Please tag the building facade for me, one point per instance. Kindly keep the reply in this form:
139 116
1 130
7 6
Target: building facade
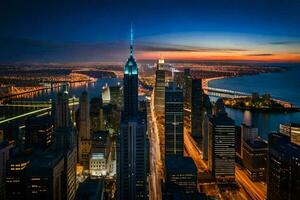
283 168
159 91
221 155
132 148
84 139
255 159
173 120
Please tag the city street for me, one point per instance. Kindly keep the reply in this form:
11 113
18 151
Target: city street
254 190
154 156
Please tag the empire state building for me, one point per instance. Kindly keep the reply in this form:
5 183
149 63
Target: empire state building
132 147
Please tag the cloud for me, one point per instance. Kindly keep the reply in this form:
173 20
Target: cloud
261 54
284 42
154 47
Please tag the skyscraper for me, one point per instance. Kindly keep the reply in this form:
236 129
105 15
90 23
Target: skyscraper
84 116
197 111
187 94
221 156
255 159
84 130
132 141
61 110
173 120
283 168
159 92
65 143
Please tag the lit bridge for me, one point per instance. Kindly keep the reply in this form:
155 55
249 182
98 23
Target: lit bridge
217 92
30 108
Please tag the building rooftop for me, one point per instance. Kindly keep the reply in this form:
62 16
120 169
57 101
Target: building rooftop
180 164
257 144
90 189
222 119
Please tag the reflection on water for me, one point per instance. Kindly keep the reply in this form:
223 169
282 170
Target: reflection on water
280 85
75 89
265 122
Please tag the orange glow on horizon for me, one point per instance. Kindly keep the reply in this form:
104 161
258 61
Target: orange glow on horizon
220 56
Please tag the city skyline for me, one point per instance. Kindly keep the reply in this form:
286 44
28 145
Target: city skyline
150 100
78 32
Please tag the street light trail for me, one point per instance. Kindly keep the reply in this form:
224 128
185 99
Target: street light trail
155 157
253 190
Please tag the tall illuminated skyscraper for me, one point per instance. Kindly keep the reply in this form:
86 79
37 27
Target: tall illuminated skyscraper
159 92
132 149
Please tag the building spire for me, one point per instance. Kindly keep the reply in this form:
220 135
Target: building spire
131 40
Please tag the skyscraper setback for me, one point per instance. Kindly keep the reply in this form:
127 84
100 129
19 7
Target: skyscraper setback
132 142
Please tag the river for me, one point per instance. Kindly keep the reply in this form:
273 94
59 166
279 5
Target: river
284 85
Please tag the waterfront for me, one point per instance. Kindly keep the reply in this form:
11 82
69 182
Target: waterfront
266 122
75 89
284 86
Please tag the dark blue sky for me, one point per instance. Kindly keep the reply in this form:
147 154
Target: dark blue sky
66 31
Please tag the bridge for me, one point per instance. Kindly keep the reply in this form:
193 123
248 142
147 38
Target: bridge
31 108
218 92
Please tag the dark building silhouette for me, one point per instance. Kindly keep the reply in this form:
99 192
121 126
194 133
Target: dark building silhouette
5 151
255 159
39 132
197 110
181 175
283 181
221 146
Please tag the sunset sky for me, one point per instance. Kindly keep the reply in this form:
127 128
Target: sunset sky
92 31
